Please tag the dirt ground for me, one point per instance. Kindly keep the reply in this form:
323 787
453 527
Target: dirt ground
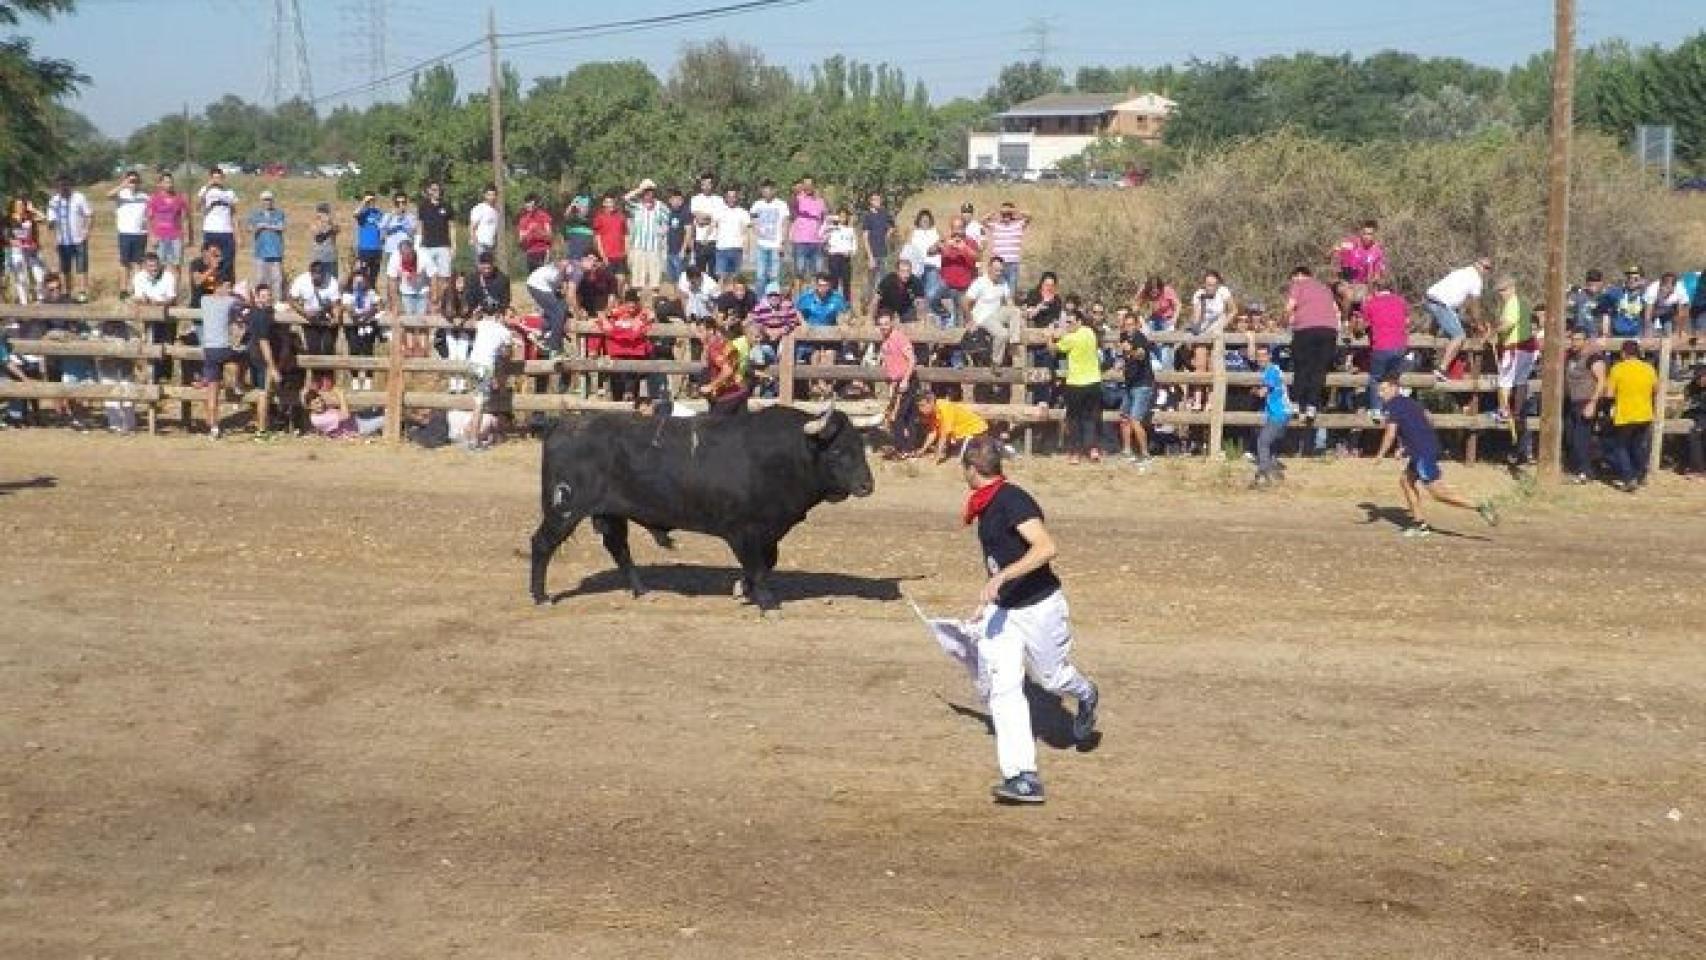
290 700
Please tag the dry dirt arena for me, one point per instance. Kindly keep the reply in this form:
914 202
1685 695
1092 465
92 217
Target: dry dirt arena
290 700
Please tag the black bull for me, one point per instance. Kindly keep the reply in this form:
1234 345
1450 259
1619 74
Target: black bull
747 479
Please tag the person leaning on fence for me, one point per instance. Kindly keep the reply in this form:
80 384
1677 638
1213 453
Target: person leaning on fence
1584 384
900 291
1517 348
217 349
317 298
273 346
900 366
456 308
492 342
1075 342
1387 318
989 305
1313 315
361 308
1452 303
545 285
626 328
1633 387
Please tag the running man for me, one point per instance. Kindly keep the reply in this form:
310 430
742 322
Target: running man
1024 625
1408 423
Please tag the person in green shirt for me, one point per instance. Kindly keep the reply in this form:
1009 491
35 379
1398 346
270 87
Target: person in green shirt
1076 342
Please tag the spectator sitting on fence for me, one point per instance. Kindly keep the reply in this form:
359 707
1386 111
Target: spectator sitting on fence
725 388
491 345
1211 305
947 426
317 299
456 308
361 324
626 328
899 291
545 284
736 299
1387 317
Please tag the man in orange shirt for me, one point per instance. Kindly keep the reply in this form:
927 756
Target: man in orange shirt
948 425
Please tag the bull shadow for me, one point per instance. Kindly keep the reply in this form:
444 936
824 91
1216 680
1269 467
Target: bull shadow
1051 722
789 586
8 487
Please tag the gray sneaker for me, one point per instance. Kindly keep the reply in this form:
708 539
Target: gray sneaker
1023 788
1488 513
1084 722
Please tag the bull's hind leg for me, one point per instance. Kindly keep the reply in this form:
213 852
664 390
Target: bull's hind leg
614 530
553 530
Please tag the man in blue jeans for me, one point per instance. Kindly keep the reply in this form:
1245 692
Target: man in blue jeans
1276 413
1451 302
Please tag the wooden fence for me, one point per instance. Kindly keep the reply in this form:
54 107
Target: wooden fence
403 382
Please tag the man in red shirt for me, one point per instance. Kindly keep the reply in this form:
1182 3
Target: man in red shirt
610 236
959 269
534 226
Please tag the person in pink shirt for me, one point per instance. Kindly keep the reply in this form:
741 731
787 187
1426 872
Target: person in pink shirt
1388 318
1360 260
167 209
900 362
806 234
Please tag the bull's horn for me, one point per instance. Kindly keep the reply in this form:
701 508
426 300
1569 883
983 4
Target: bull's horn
815 425
867 422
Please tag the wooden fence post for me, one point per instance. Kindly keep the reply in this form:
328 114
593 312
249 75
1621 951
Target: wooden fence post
785 369
1654 455
1217 396
394 383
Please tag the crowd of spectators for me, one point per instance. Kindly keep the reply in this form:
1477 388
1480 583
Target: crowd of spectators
750 270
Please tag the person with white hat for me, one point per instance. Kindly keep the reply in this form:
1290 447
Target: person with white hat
267 225
648 235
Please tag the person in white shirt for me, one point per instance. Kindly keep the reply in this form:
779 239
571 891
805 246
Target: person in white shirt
840 243
989 303
131 217
733 223
70 216
698 293
219 214
706 206
492 340
484 222
153 286
315 296
1451 302
1211 306
770 230
1667 302
545 286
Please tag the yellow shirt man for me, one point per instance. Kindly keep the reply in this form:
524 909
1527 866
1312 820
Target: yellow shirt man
1083 366
955 422
1631 384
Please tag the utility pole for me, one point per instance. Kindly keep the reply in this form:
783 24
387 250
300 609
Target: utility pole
189 181
495 94
1557 239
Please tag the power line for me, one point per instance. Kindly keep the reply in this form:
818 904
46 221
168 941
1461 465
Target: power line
659 20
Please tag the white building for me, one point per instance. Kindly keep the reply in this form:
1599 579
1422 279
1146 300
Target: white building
1038 134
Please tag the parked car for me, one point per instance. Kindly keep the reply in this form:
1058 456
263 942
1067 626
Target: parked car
1692 185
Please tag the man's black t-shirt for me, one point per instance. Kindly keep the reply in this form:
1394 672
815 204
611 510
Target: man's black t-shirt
1139 364
737 305
899 297
680 218
487 295
435 223
998 533
595 289
264 328
877 226
1048 312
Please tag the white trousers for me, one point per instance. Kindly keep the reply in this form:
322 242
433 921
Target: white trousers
1037 640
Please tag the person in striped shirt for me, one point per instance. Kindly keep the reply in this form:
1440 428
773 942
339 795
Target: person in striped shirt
1006 239
648 231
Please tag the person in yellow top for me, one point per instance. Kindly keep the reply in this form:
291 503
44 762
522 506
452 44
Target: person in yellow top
1077 343
948 425
1518 348
1632 385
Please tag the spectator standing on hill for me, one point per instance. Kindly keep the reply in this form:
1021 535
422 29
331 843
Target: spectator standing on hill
1584 384
1407 423
810 211
1388 320
1633 387
899 292
396 228
1453 300
578 237
1006 235
1626 306
876 225
370 238
976 232
1076 343
706 206
734 222
770 216
1137 369
959 270
1276 413
70 216
610 238
648 237
485 222
1313 314
266 224
989 306
168 213
323 239
436 242
679 240
130 215
1024 626
534 231
1211 305
23 249
841 245
219 217
1518 346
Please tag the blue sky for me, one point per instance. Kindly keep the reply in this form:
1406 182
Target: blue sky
954 46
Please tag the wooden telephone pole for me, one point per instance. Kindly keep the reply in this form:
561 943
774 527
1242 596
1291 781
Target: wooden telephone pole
495 95
1557 240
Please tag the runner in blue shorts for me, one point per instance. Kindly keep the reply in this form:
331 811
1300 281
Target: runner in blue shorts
1407 423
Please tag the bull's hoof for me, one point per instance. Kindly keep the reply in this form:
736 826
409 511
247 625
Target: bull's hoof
740 589
770 614
541 600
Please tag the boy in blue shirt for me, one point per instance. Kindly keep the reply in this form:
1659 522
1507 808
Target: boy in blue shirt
1408 423
1276 413
369 242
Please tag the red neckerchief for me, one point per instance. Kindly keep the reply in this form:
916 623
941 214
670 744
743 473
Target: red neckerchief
979 499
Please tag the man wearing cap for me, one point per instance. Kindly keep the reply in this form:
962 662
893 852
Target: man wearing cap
975 230
267 226
648 236
396 229
775 317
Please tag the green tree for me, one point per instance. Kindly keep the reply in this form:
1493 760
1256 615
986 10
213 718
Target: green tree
31 143
1018 82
